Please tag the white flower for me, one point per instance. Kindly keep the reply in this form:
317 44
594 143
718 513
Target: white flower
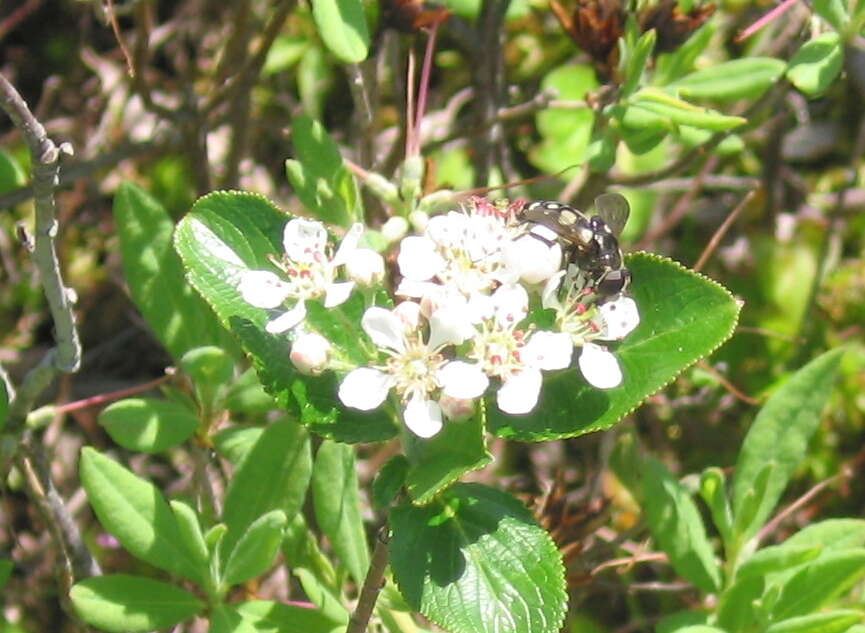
310 273
580 317
461 250
415 369
310 353
503 351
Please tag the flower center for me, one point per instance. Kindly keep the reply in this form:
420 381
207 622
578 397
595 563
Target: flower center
498 349
415 370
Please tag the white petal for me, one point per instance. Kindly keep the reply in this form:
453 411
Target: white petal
519 393
620 317
423 417
337 293
384 328
550 296
409 313
534 260
364 388
287 320
600 368
548 350
418 259
511 304
450 325
463 380
348 245
418 289
304 240
263 289
365 266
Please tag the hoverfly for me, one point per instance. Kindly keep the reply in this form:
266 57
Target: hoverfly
589 242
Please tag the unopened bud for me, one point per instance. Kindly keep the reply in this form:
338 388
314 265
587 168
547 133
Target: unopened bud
457 409
310 353
365 267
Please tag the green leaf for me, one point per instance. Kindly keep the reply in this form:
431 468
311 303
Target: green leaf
817 64
636 64
179 318
830 622
776 558
129 604
713 489
224 234
12 175
780 435
475 561
247 395
671 66
700 628
831 535
262 616
676 525
833 11
565 133
389 481
6 567
191 536
148 425
274 475
736 606
684 317
337 506
254 553
744 78
679 112
319 176
234 442
818 582
208 365
342 26
134 511
437 462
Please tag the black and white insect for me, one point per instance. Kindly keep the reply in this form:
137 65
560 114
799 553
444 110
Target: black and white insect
590 242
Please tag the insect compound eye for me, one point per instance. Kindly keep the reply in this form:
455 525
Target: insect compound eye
614 282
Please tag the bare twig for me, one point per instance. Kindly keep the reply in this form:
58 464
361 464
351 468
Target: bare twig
85 168
372 585
722 231
46 167
17 16
729 386
682 208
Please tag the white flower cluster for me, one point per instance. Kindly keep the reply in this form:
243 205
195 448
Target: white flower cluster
467 284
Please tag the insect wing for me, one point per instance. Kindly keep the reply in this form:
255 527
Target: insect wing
613 209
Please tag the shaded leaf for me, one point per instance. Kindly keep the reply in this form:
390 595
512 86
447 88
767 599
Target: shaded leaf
337 506
179 318
677 527
274 475
254 553
437 462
